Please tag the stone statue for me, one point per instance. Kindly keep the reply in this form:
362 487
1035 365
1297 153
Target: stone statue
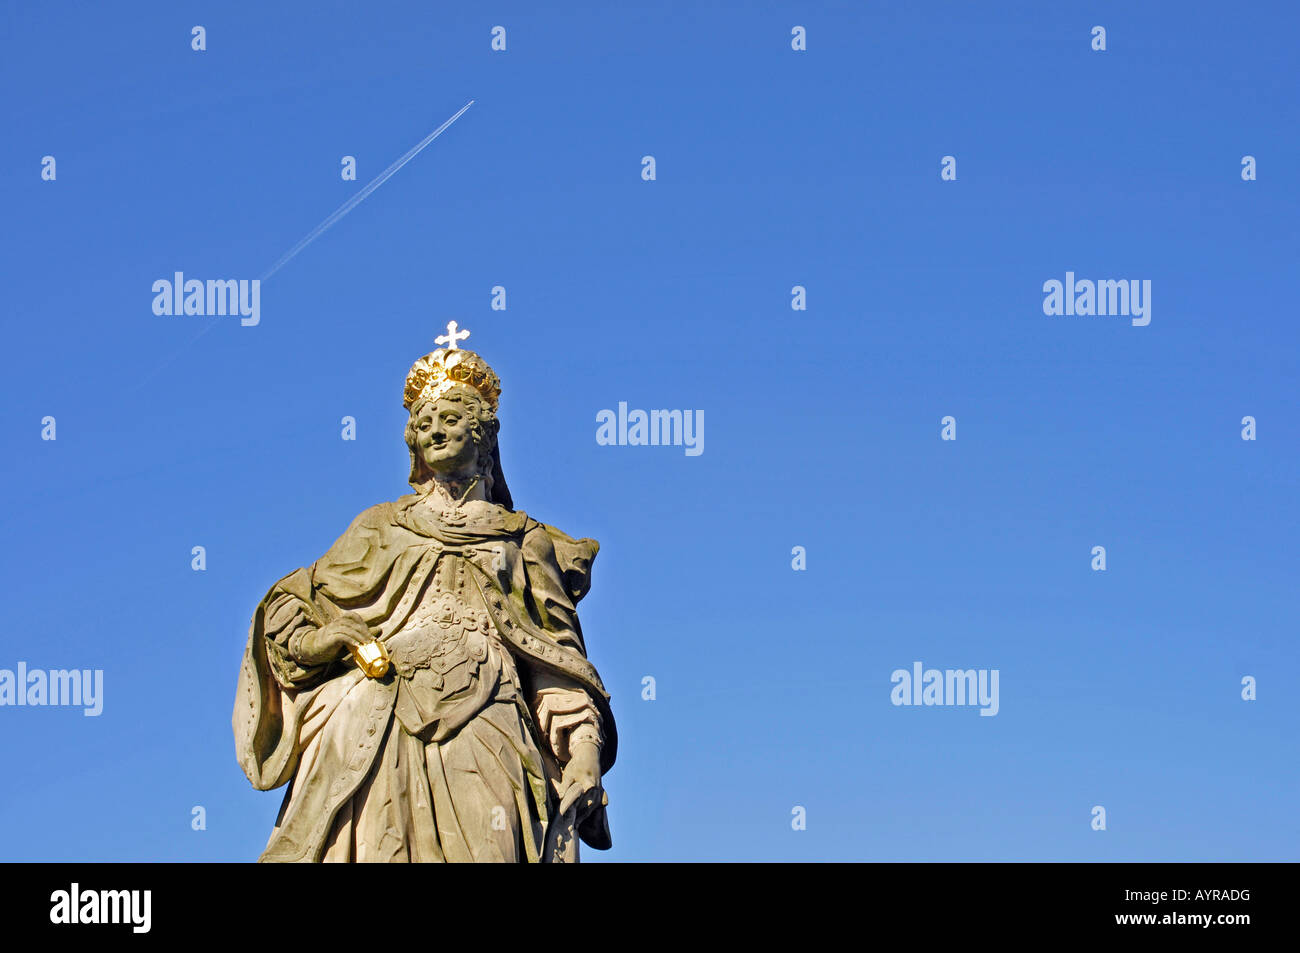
423 687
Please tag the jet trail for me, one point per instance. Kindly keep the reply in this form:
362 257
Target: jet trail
357 199
315 233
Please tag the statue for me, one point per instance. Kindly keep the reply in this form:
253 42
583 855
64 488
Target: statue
423 687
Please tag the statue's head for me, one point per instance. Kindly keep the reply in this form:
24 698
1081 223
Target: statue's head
451 433
452 437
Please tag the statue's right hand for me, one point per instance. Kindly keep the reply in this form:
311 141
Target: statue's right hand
333 639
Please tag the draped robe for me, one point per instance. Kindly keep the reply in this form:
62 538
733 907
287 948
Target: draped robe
455 754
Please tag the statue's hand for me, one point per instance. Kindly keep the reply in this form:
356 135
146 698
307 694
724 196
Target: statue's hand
580 783
333 639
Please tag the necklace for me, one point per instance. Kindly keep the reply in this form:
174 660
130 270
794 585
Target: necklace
452 513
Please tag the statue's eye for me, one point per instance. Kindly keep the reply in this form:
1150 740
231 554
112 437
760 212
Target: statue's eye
449 418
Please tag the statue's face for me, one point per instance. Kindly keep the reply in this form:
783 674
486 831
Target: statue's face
444 438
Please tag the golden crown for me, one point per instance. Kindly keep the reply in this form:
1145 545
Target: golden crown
434 374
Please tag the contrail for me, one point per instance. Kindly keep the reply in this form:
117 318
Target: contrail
357 199
316 232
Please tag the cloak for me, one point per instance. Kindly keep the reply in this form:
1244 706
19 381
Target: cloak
528 576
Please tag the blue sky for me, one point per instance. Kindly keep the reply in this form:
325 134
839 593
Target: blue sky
775 168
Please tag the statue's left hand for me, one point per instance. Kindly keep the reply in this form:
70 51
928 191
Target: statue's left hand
580 783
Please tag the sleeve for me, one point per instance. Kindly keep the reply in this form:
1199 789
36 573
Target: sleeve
564 710
286 622
565 714
268 712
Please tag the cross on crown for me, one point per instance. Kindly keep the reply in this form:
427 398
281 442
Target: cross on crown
451 337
